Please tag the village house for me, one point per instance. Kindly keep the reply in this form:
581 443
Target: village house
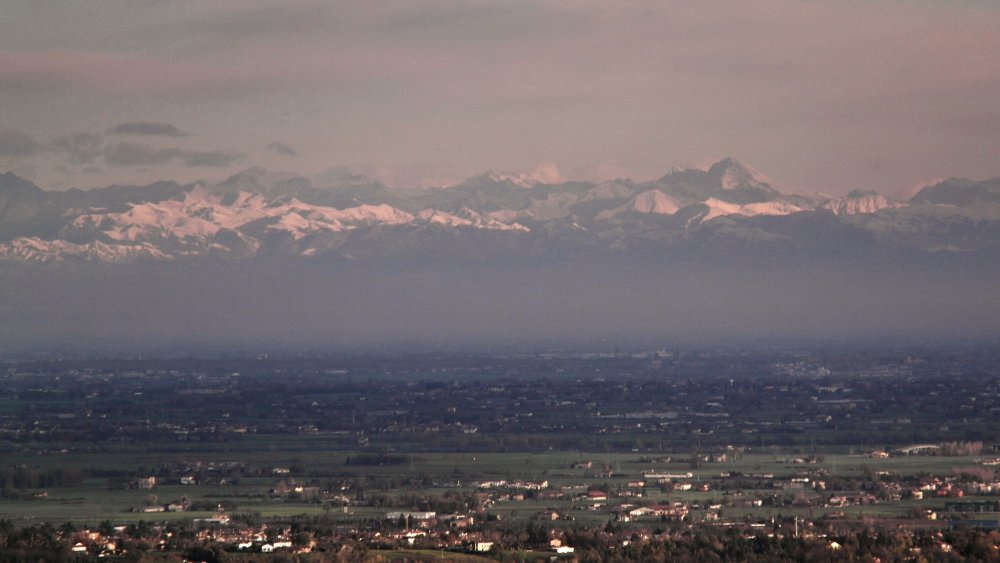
420 519
458 521
674 511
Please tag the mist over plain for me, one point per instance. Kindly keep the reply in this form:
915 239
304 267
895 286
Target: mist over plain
280 304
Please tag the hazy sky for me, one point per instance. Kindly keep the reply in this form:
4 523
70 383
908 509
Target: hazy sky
822 95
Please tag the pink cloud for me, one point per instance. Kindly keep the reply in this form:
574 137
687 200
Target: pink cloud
547 172
132 74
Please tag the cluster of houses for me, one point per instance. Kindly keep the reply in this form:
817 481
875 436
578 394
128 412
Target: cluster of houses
522 485
259 538
671 511
621 499
241 537
92 542
624 499
447 531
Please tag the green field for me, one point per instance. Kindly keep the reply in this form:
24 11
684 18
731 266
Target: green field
425 474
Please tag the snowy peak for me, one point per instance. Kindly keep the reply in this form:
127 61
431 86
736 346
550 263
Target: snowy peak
522 180
258 180
650 202
261 213
612 189
33 249
543 173
198 222
859 202
198 215
654 201
719 208
730 174
469 218
727 180
434 217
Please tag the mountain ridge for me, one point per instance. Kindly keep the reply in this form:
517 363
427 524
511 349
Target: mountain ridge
260 212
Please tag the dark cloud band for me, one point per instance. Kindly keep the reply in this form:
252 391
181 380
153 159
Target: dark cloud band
277 147
146 128
126 154
17 143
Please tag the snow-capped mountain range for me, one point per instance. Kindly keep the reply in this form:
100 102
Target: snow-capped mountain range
257 212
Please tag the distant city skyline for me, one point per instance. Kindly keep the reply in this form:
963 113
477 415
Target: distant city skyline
826 96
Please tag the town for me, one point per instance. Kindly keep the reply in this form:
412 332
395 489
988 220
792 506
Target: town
644 455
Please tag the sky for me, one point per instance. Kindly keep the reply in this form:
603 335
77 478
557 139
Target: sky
824 96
